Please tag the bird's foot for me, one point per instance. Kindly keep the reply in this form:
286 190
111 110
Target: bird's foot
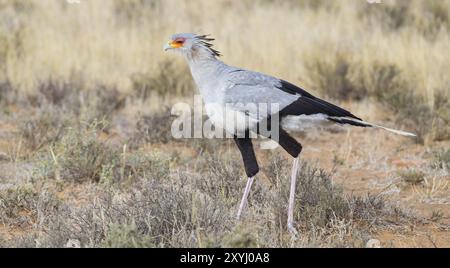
238 215
292 230
244 197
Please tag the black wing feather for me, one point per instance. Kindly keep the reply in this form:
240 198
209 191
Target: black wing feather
308 104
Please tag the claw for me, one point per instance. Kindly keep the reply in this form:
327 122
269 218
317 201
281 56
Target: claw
292 230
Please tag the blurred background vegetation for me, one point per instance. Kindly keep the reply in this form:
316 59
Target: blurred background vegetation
394 52
85 97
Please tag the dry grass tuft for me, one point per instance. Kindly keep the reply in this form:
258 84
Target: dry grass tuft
158 208
58 90
170 79
441 159
78 155
412 177
152 128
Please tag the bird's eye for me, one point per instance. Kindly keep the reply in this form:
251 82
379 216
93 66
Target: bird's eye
179 41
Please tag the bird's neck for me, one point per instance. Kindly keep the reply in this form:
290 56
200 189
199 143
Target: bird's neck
200 53
204 67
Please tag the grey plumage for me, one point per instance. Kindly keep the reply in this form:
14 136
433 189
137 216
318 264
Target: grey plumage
222 85
234 93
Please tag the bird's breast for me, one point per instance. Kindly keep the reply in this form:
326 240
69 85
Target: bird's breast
232 121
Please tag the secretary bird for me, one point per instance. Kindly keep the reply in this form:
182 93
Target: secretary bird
226 89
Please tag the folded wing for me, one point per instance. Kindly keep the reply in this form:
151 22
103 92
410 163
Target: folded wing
248 88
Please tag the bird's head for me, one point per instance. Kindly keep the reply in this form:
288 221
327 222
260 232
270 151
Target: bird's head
192 44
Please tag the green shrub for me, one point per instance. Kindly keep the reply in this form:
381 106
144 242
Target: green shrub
392 15
331 77
412 177
126 236
73 97
441 159
134 11
415 112
78 156
43 128
170 79
152 128
25 207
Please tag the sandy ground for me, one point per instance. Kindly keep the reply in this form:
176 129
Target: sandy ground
365 161
370 161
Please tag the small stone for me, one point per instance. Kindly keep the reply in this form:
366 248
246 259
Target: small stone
373 243
4 156
73 243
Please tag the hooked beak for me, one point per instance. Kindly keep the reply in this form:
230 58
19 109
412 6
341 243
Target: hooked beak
172 45
168 46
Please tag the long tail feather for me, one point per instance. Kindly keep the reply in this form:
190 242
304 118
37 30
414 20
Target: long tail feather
367 124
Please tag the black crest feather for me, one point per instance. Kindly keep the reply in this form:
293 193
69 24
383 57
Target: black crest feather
205 41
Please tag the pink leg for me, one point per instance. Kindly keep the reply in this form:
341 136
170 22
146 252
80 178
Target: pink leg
244 197
290 221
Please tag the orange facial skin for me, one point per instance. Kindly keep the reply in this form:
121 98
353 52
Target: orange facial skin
177 43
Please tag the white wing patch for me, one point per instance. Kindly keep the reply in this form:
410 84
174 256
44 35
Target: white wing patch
304 122
231 120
